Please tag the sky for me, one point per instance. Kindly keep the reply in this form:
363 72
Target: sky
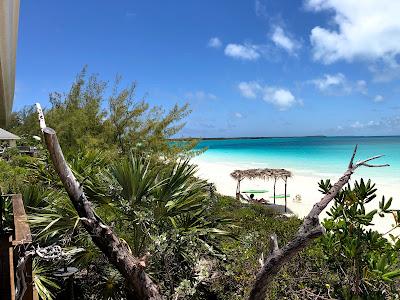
246 67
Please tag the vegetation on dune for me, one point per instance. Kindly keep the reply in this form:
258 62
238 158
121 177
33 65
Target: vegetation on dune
185 228
193 243
156 208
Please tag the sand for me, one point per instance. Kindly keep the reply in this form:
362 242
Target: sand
303 184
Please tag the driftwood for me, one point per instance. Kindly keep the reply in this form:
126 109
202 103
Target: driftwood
131 268
309 230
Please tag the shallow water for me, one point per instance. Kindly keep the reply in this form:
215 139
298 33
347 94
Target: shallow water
322 156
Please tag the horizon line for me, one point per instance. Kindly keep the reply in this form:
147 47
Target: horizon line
275 137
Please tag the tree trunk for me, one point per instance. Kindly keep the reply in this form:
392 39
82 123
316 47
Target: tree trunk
131 268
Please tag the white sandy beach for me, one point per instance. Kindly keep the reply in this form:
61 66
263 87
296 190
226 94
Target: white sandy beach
304 185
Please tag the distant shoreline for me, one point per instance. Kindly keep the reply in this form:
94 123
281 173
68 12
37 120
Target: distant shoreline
246 138
277 137
260 137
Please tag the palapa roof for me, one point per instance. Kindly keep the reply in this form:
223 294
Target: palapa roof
261 174
5 135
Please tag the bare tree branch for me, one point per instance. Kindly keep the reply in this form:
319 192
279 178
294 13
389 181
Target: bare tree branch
309 230
273 243
352 157
131 268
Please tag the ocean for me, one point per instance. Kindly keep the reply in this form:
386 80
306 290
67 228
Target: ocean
317 156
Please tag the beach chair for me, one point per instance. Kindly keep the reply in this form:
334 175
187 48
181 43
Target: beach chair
247 199
281 196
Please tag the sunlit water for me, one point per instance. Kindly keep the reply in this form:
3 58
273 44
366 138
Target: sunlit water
308 155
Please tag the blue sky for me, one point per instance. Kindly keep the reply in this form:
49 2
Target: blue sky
246 67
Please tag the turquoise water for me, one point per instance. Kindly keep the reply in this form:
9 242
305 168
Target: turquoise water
314 155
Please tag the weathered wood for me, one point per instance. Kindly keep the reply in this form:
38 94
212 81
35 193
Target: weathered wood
21 272
309 230
22 237
11 262
274 189
22 232
103 236
6 270
286 195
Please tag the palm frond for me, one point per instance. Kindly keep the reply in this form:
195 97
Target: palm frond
45 283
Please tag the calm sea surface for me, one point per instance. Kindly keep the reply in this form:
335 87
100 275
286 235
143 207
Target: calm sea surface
314 155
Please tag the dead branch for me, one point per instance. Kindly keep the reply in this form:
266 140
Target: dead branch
132 268
309 230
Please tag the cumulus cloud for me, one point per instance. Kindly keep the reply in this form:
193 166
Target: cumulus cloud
282 40
238 115
388 125
214 42
328 81
386 69
281 98
249 89
357 124
361 87
338 84
378 98
244 52
365 29
369 124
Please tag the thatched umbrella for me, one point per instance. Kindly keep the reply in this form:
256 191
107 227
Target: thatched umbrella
264 174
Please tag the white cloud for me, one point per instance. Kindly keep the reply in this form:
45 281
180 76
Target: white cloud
378 98
249 89
361 87
367 29
388 125
245 52
214 42
369 124
260 8
338 84
385 69
238 115
357 125
328 81
279 97
282 98
200 95
281 39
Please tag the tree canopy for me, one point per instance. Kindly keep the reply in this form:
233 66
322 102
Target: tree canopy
96 115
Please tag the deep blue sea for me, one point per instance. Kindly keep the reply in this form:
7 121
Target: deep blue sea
315 155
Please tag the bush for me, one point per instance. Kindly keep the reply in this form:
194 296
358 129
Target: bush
255 224
366 261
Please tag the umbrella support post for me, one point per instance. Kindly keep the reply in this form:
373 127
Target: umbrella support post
285 196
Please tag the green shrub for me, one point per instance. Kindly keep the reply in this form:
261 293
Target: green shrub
368 264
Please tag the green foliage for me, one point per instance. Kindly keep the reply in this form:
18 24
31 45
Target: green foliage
202 245
90 117
366 261
164 209
46 284
14 172
6 221
254 225
153 206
